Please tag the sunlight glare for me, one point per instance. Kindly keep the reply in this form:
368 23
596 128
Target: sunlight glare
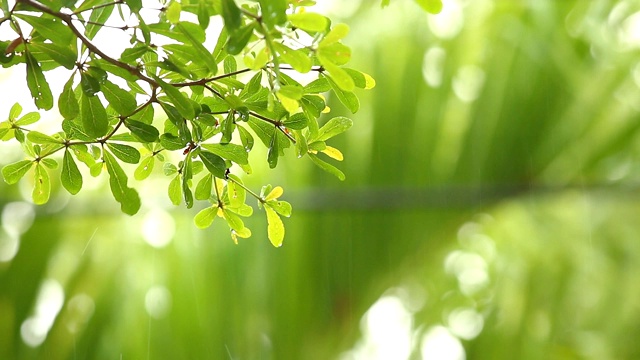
34 330
439 344
158 228
157 301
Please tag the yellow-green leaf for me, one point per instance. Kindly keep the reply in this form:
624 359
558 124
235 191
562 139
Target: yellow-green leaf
175 193
275 193
204 218
309 21
275 227
42 186
144 169
337 33
173 12
432 6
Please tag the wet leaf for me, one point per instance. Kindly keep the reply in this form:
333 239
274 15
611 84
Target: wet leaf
38 86
144 169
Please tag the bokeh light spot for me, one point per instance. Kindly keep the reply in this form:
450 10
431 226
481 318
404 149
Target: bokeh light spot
158 228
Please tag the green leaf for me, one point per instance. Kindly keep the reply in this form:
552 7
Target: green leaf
203 189
37 83
173 12
125 153
96 169
297 121
169 169
134 53
42 186
281 207
333 127
309 21
134 5
245 138
272 154
327 167
40 138
336 53
15 111
144 169
171 142
28 119
263 130
175 193
204 55
142 131
187 175
238 39
233 152
360 79
179 100
291 91
12 173
337 33
347 98
234 221
68 103
231 15
298 59
301 143
317 86
50 163
432 6
90 85
203 15
60 54
94 117
71 178
339 76
275 227
98 16
127 197
274 12
214 163
52 29
237 194
120 100
204 218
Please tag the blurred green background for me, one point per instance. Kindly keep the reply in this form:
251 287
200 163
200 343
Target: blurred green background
490 212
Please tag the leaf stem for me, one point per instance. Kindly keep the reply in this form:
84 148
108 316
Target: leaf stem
206 80
247 190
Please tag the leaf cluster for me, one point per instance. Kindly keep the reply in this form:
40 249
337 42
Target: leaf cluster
167 93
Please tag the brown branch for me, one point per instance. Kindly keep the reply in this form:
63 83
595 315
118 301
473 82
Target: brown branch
68 19
202 82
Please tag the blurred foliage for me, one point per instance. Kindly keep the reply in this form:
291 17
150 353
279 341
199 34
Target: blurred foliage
488 213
